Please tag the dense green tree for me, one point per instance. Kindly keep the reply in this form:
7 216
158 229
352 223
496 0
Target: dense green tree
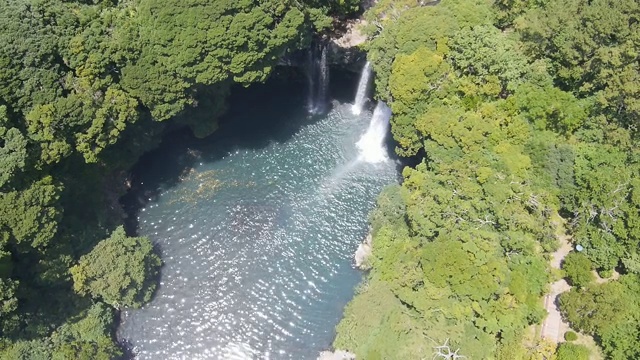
242 44
29 70
413 81
598 307
27 350
537 115
553 162
578 269
487 55
13 149
119 270
550 108
610 312
401 27
77 78
86 338
606 214
8 305
593 47
510 10
462 256
30 217
516 122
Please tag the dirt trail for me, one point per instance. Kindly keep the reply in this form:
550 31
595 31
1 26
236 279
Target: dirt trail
553 327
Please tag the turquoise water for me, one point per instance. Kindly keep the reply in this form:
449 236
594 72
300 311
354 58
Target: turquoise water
257 227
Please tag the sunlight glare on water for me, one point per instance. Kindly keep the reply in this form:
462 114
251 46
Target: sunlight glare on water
258 247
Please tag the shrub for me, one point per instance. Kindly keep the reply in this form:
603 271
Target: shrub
605 273
570 336
577 268
567 351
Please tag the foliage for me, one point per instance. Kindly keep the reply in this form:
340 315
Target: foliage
8 305
13 149
512 112
401 27
407 83
27 350
86 338
457 249
488 55
188 49
84 87
119 270
335 7
508 125
30 217
593 48
570 336
548 107
607 214
578 269
568 351
610 312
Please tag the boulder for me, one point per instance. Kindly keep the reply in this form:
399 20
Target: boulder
363 253
336 355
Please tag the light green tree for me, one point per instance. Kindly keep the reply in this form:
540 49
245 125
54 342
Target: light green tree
120 270
568 351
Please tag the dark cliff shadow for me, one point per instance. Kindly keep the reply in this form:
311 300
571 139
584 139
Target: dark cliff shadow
257 116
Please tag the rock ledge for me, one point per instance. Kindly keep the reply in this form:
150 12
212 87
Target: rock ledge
336 355
363 253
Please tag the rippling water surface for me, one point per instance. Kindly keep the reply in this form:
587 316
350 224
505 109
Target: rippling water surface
257 239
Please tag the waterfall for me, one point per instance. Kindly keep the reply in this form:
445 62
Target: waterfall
371 143
323 84
310 70
317 80
363 85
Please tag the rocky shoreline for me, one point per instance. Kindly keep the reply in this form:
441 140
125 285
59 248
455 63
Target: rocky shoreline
336 355
363 253
361 258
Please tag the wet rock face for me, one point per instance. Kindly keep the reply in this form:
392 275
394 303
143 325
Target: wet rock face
343 45
350 35
347 58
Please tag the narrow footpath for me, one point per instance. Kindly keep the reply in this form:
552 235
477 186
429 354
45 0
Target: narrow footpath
553 327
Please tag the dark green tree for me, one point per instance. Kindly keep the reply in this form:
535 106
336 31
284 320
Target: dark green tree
593 47
87 337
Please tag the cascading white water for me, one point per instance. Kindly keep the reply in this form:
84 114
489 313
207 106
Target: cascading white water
310 70
317 69
371 143
361 94
321 101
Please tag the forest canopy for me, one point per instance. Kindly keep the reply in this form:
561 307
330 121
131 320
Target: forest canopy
523 117
85 89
